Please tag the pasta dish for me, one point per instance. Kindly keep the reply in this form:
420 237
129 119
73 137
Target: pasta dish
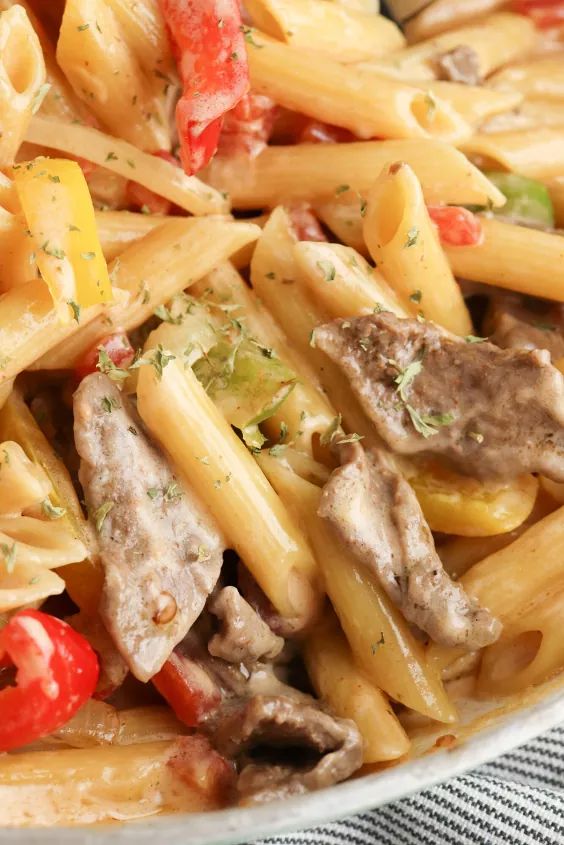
281 392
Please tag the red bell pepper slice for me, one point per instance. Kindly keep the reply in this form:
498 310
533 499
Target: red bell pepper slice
57 672
305 224
457 226
116 346
207 38
247 127
316 132
188 688
543 13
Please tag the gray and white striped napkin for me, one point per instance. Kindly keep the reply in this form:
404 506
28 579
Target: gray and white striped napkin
517 799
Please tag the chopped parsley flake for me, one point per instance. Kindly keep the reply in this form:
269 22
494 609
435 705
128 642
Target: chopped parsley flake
248 36
83 27
416 296
375 646
472 338
88 256
153 492
334 426
51 511
350 438
40 95
75 309
107 366
172 491
110 403
164 314
428 424
412 236
56 253
111 156
55 179
9 553
271 275
133 430
342 189
101 513
405 378
328 270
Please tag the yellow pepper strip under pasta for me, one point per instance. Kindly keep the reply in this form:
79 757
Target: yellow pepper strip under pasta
83 580
123 158
85 786
378 635
22 75
508 581
59 214
340 279
339 33
513 257
305 412
405 247
344 96
319 171
204 448
149 272
350 695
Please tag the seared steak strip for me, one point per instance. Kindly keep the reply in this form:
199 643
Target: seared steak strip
161 551
276 723
376 514
517 322
244 637
494 413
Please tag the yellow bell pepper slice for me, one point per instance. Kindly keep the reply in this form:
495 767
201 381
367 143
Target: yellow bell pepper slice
58 210
456 504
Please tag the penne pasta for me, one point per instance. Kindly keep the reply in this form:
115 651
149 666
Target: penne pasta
512 257
317 172
539 78
405 246
441 15
149 273
335 31
123 158
537 153
474 103
346 97
367 6
379 637
22 77
530 114
556 191
119 229
342 216
349 694
180 415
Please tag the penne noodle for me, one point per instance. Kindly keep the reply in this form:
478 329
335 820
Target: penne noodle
537 153
305 412
318 171
496 40
342 282
442 15
204 448
378 635
405 246
350 695
530 114
342 216
169 259
513 257
541 78
474 102
346 97
93 785
22 77
556 191
119 229
123 158
367 6
340 33
144 30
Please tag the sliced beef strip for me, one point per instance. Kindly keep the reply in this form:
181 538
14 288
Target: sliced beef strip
518 322
493 413
274 723
376 514
462 64
161 551
244 637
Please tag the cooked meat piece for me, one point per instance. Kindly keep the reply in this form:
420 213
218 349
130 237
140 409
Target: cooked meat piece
515 322
161 551
276 723
376 514
494 413
244 637
459 65
113 668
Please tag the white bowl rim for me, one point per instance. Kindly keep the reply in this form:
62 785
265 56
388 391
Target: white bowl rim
225 827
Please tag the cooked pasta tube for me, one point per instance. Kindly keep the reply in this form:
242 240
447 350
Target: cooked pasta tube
497 40
342 216
85 786
128 161
22 483
98 723
527 568
378 635
318 171
342 281
144 29
537 153
405 247
92 51
513 257
27 583
17 254
22 75
442 15
344 96
83 580
538 78
150 272
474 102
305 413
530 114
556 191
180 415
119 229
350 695
37 541
368 6
529 651
335 31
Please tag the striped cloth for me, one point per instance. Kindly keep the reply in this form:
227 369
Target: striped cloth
517 799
